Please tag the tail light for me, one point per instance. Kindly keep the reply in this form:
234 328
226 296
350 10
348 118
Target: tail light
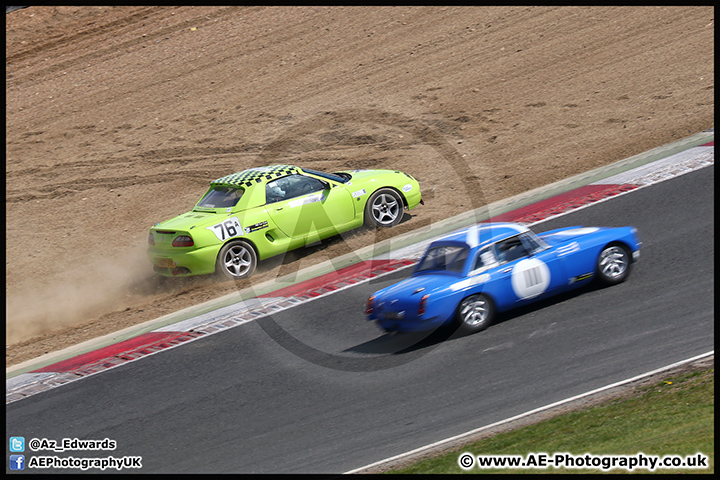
369 306
423 303
183 241
151 239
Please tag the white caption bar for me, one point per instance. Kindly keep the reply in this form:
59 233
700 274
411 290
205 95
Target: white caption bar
586 461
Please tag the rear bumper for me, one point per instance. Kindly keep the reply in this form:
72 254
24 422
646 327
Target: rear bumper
412 325
199 261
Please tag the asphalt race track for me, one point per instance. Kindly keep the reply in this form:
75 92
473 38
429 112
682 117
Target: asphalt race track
317 389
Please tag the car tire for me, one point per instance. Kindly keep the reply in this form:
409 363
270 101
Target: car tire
384 208
613 264
475 313
236 260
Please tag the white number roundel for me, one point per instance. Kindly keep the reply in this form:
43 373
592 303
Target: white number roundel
530 278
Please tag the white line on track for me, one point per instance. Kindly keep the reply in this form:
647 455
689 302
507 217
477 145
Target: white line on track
472 433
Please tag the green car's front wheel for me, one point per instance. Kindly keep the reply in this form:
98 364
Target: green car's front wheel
236 260
384 208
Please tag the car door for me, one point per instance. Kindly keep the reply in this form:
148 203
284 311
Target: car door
527 271
295 205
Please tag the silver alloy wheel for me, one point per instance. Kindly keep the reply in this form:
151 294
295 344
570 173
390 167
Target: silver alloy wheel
613 262
238 260
475 312
385 209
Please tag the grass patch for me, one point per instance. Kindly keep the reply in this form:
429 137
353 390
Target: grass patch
673 416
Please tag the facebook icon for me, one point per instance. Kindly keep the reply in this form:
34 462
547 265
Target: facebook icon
17 462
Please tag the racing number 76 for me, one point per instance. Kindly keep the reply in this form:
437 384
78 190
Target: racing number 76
230 227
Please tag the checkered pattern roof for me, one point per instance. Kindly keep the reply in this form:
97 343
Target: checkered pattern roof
256 175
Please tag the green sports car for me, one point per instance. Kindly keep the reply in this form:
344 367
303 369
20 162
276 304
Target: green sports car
265 211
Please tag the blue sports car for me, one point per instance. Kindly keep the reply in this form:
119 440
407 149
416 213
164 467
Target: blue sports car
469 276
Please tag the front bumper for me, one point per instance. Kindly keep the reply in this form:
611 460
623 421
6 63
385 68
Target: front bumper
413 197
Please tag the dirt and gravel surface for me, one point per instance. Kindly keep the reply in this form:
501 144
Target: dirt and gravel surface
118 117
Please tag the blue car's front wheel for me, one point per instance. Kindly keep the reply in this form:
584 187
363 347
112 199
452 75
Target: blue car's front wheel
475 313
613 264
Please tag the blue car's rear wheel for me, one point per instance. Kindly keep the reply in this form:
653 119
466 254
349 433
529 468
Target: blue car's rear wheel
236 260
613 264
475 313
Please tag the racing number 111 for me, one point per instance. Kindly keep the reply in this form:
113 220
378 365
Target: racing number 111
532 277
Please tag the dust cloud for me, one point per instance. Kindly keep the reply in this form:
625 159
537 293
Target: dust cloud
98 286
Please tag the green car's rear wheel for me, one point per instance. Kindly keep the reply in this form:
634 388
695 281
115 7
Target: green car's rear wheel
236 260
384 208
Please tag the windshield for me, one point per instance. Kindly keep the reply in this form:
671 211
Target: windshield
335 177
221 197
445 258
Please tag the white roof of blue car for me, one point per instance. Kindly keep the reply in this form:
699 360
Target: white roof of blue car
484 233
